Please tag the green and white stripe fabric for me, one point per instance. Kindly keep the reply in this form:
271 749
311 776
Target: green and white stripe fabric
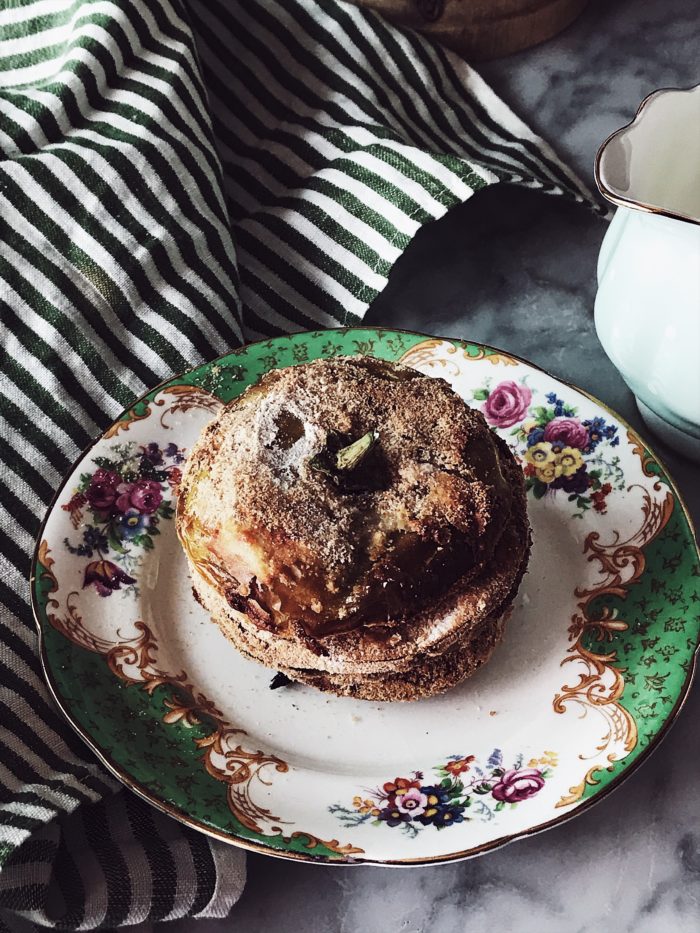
176 178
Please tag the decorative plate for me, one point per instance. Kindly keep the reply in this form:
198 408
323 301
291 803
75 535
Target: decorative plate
597 659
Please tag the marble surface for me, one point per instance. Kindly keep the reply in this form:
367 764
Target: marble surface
518 271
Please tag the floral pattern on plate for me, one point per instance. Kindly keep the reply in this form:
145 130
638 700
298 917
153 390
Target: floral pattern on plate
126 498
559 450
462 791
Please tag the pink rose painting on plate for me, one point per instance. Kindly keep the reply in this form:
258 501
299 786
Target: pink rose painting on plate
126 498
507 404
515 786
143 496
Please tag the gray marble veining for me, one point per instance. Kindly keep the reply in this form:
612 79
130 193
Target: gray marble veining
518 270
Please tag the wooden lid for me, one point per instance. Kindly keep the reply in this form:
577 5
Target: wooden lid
481 29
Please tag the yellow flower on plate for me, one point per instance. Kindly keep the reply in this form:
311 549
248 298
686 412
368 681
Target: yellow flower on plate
548 759
365 806
548 472
529 425
570 460
540 454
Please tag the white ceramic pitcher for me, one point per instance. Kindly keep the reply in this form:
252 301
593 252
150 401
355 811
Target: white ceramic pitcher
647 310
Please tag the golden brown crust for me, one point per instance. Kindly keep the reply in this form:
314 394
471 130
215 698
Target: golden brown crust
334 552
390 584
438 649
429 676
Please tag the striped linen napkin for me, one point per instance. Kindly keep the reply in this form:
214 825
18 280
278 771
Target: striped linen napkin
177 177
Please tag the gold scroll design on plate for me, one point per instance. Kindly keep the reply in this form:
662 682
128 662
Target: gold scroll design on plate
601 684
133 661
437 354
173 400
646 458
